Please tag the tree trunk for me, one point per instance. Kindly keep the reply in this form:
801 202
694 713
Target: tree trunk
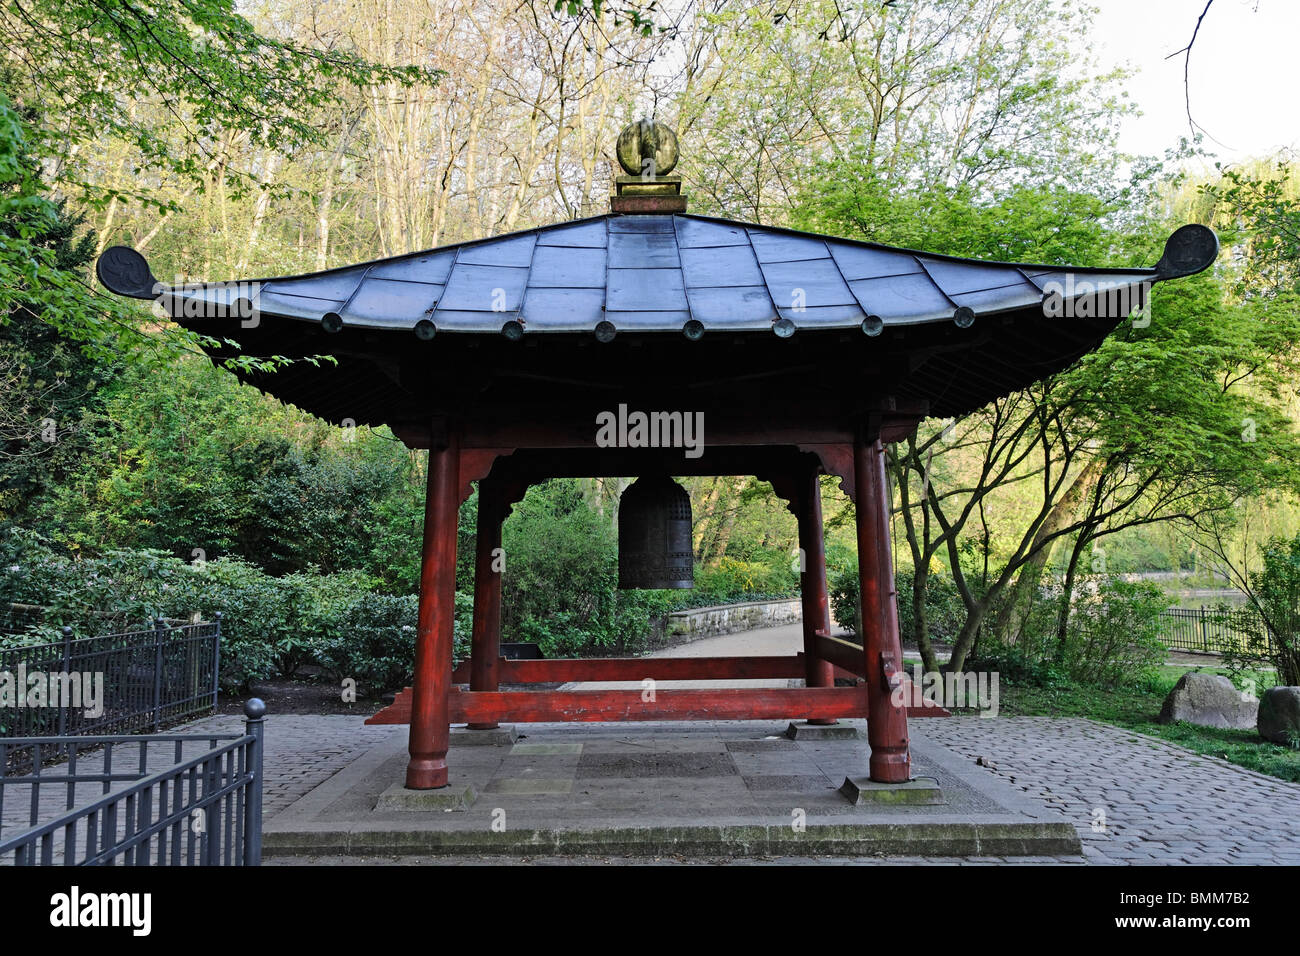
1009 620
1067 595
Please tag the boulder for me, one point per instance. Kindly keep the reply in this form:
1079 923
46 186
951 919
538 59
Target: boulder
1208 700
1279 714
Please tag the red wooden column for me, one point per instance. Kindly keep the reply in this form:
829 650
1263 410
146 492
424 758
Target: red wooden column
812 585
485 642
886 721
430 726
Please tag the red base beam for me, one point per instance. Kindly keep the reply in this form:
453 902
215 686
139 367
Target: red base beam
559 670
792 703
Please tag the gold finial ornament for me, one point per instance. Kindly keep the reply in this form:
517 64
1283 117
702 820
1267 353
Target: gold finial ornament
647 148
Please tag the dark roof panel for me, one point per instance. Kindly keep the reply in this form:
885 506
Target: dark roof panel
424 267
562 310
645 290
781 247
475 288
390 302
557 267
720 266
810 283
903 299
732 307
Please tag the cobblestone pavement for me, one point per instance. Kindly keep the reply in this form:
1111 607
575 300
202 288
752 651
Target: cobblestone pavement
303 750
1153 802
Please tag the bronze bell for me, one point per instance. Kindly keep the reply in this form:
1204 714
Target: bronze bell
654 535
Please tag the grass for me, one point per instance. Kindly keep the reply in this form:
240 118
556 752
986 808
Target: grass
1136 708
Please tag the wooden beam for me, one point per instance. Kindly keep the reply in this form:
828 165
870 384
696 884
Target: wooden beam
843 654
764 703
615 705
639 668
891 760
818 671
485 639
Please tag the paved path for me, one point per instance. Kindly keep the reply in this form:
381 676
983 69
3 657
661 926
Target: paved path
1153 802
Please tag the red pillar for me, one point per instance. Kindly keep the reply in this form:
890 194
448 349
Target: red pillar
812 584
485 643
886 719
430 726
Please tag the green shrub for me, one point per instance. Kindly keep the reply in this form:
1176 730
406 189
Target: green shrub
1273 635
560 585
944 608
374 641
269 626
731 580
1112 638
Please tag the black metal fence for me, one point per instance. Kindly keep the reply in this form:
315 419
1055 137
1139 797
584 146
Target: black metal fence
1208 630
111 683
191 799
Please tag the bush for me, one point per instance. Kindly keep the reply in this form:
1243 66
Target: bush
1113 636
732 580
269 625
560 585
944 608
1273 639
374 642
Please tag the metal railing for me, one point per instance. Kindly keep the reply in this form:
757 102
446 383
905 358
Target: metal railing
1207 630
200 809
110 683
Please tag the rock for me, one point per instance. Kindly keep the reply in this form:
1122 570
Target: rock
1208 700
1279 714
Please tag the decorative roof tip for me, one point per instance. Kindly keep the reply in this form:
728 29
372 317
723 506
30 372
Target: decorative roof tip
1191 249
122 270
647 151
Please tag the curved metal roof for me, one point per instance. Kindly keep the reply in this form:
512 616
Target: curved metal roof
420 335
647 273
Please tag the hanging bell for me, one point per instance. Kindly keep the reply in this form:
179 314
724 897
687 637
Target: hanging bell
654 535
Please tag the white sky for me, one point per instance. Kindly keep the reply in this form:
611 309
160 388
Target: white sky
1244 72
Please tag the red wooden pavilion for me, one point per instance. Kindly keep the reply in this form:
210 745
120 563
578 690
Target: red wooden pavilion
805 354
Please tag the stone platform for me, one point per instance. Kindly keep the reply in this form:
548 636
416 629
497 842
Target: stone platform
731 789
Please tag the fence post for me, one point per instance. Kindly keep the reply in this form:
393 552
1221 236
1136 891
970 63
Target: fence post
216 660
254 726
212 812
67 668
158 634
